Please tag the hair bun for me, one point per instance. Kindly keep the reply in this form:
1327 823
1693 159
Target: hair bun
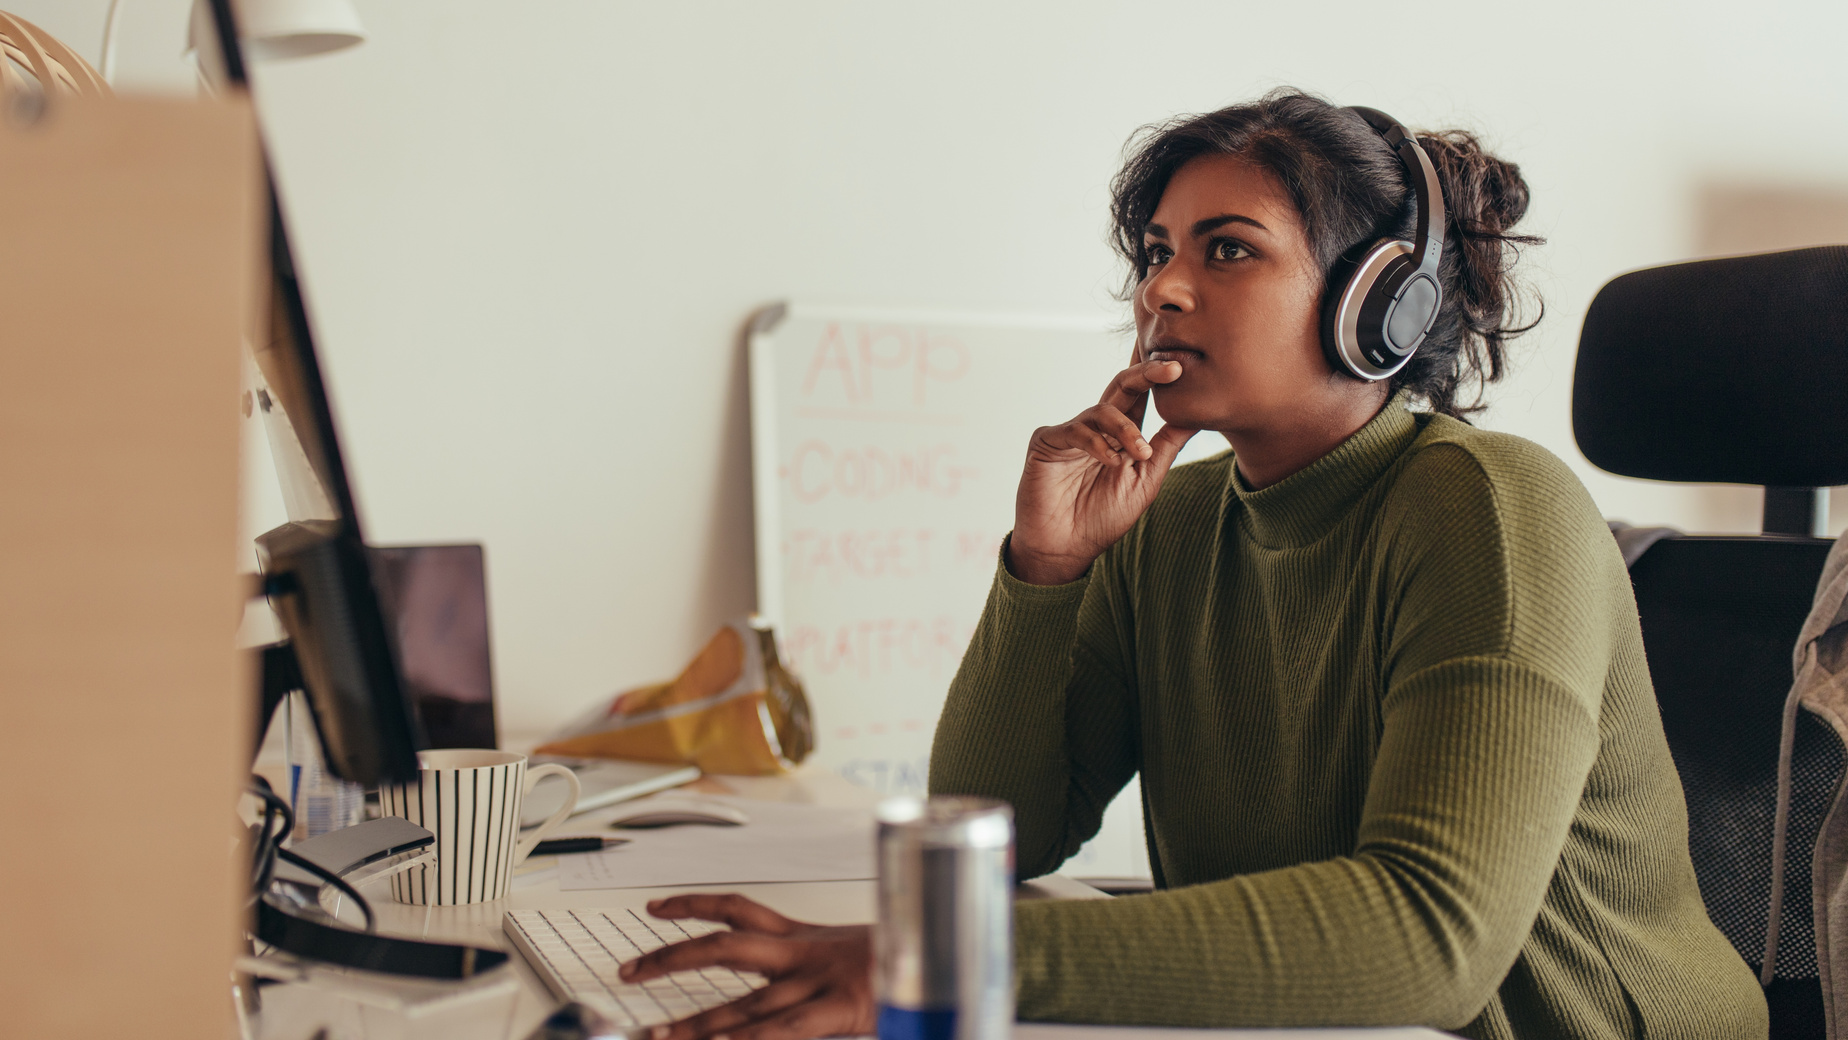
1484 197
1483 194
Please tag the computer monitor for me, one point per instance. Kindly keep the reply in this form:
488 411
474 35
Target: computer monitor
317 572
318 575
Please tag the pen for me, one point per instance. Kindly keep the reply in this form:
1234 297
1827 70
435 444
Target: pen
557 846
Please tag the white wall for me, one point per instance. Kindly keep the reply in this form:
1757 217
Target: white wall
531 231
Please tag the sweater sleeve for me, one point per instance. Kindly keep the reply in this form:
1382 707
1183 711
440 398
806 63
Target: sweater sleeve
1499 598
1041 713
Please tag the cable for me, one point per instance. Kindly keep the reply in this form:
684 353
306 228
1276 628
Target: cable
259 850
263 855
269 849
110 22
331 878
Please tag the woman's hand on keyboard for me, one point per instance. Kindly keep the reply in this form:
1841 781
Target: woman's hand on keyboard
820 977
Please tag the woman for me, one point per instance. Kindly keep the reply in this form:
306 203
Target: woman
1380 672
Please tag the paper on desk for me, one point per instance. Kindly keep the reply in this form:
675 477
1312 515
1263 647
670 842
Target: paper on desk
1060 1031
785 841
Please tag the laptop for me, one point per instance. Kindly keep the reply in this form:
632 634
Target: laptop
436 599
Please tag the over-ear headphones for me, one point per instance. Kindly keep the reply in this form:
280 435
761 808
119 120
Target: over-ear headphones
1378 308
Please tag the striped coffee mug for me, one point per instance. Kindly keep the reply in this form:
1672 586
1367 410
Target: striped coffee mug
471 801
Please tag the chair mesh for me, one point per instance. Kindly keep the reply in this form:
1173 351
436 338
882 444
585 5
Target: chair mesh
1720 617
1729 836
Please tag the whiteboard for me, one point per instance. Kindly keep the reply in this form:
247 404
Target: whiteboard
887 447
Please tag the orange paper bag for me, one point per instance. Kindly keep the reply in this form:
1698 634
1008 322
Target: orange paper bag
734 710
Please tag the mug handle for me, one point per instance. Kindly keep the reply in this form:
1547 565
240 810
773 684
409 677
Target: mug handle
533 776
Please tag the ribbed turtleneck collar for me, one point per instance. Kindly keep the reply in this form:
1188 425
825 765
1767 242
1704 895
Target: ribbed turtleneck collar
1300 508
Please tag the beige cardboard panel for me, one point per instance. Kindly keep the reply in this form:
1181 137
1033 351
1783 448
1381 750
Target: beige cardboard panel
1756 218
131 237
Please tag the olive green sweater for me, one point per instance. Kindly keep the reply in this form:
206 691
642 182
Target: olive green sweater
1400 758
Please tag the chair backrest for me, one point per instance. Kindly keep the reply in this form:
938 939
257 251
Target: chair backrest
1729 371
1720 616
1732 371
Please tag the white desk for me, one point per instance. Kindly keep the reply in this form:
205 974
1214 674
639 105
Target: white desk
826 902
290 1013
293 1012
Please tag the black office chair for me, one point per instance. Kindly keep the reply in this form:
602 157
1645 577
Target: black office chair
1733 371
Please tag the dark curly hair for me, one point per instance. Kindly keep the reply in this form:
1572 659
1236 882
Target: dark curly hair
1351 191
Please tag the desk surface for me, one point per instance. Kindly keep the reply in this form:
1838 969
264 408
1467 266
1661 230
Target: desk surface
292 1012
536 887
289 1013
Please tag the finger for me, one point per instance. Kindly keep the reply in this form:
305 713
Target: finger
1131 386
1138 409
741 951
1118 428
832 1014
1151 373
727 908
1168 442
1077 436
769 1000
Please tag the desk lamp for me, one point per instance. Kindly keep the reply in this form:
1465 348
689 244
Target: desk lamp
271 30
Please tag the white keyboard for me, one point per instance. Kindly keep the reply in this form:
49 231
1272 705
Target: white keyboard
577 953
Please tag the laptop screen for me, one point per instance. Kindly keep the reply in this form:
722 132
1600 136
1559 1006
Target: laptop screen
436 597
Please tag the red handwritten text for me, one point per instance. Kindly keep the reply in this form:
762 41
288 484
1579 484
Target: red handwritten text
920 355
818 470
880 646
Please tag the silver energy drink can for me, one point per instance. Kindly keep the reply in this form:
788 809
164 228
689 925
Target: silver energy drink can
944 945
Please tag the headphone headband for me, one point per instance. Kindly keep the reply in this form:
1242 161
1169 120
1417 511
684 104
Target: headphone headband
1427 247
1378 309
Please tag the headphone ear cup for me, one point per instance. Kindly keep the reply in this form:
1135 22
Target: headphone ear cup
1338 279
1413 314
1356 310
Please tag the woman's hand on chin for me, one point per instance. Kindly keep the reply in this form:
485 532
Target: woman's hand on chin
820 977
1087 481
